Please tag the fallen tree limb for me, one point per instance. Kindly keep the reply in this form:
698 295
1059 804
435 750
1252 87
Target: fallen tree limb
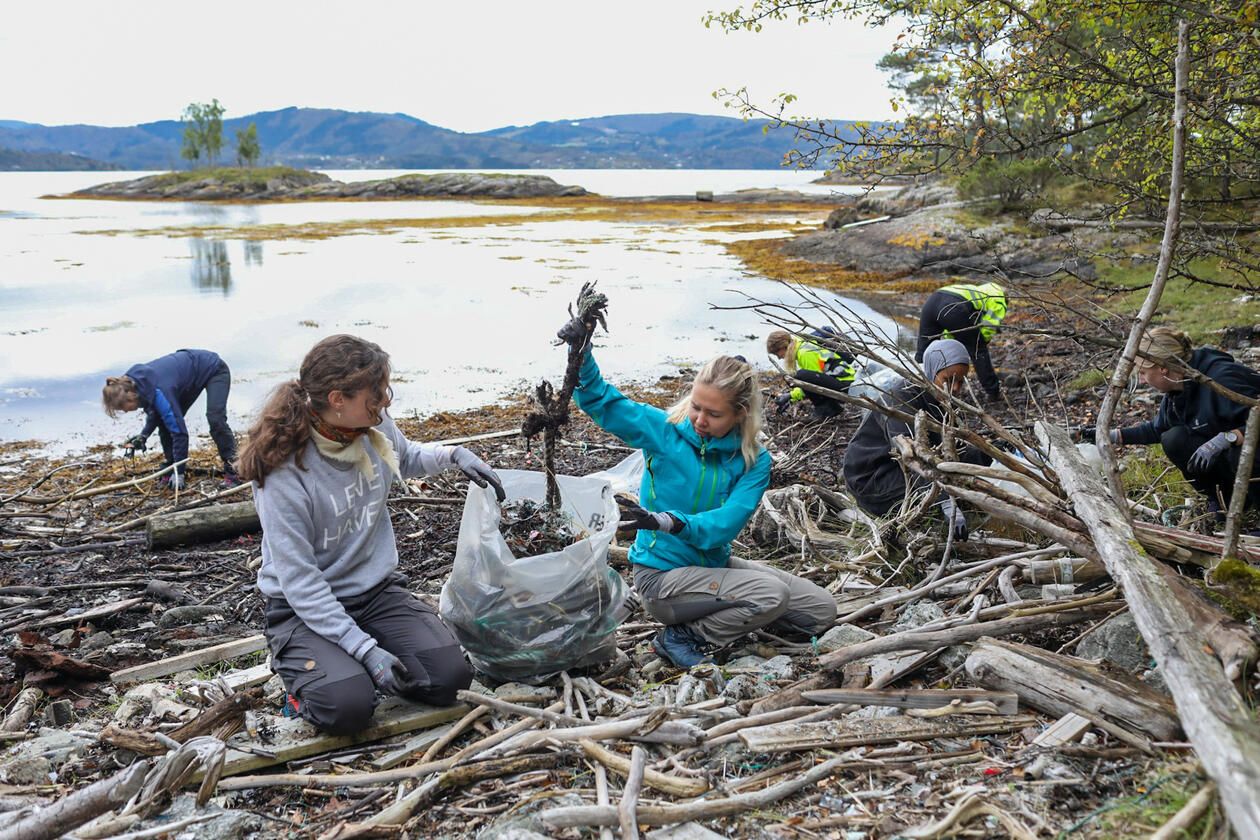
70 812
673 785
933 639
596 815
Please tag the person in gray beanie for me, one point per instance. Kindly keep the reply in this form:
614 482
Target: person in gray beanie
871 473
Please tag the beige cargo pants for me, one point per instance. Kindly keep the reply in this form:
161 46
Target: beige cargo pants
722 604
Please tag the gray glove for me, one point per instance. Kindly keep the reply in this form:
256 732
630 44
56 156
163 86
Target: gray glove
637 518
388 673
1207 454
478 471
955 519
174 480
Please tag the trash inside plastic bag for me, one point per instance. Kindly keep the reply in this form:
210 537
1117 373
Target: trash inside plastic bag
529 618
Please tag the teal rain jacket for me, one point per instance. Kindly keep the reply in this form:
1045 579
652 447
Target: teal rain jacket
701 481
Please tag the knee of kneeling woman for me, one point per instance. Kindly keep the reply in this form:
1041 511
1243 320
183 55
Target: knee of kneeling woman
342 707
777 600
446 681
1177 445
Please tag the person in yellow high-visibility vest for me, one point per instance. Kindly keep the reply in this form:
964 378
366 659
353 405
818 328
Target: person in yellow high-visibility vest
972 314
809 361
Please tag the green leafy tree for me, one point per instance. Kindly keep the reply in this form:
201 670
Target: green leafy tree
203 132
247 148
1086 84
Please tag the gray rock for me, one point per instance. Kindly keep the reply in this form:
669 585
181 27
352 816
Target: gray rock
746 687
226 825
779 668
1118 640
32 762
63 638
1155 680
954 655
916 615
684 831
746 662
840 217
97 641
842 637
527 819
179 616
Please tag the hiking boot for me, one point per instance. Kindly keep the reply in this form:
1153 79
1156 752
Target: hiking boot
231 479
682 646
825 412
1215 511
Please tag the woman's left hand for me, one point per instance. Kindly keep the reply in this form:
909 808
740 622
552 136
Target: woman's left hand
478 471
636 518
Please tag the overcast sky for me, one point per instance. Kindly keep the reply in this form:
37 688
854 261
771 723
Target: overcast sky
464 66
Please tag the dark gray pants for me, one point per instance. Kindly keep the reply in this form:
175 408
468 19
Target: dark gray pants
333 690
1217 481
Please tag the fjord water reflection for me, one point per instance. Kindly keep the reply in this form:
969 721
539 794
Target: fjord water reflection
467 311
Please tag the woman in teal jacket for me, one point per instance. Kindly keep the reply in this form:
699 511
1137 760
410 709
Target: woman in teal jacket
704 476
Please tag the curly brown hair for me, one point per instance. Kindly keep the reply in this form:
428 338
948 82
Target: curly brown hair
343 363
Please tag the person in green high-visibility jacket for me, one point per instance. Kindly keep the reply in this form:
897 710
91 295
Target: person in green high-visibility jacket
971 314
809 361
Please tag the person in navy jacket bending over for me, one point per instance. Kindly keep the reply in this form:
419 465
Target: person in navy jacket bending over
166 388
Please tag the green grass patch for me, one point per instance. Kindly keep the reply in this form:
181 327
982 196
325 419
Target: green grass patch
1199 309
1089 378
1148 475
1159 796
231 174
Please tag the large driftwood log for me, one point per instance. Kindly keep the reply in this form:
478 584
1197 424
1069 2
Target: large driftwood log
21 710
70 812
851 732
199 525
1059 684
1223 731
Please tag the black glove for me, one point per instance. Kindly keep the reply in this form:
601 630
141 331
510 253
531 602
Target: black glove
1088 434
637 518
781 402
478 471
133 443
388 674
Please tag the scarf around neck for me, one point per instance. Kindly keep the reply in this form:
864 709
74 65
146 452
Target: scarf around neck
350 446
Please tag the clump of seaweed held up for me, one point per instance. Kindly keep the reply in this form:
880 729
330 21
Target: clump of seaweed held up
551 408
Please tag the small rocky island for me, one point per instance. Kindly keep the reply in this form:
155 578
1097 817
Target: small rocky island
280 183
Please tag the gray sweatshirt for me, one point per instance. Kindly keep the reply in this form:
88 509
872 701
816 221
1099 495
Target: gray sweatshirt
327 534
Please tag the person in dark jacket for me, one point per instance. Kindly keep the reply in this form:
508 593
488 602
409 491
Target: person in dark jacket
1201 430
971 314
166 388
871 473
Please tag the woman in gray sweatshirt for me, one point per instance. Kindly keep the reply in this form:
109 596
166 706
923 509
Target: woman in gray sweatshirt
339 622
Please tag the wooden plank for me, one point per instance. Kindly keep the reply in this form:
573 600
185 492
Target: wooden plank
855 732
1222 728
1007 702
1066 729
248 677
292 738
415 744
192 659
89 615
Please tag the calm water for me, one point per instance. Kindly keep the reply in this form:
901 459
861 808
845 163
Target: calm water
466 312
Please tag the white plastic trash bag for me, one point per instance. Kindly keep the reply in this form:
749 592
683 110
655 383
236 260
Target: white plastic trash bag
528 618
871 379
1088 451
626 475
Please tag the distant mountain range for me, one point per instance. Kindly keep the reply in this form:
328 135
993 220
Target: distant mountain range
319 138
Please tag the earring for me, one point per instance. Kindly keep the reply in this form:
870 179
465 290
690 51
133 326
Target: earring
338 415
